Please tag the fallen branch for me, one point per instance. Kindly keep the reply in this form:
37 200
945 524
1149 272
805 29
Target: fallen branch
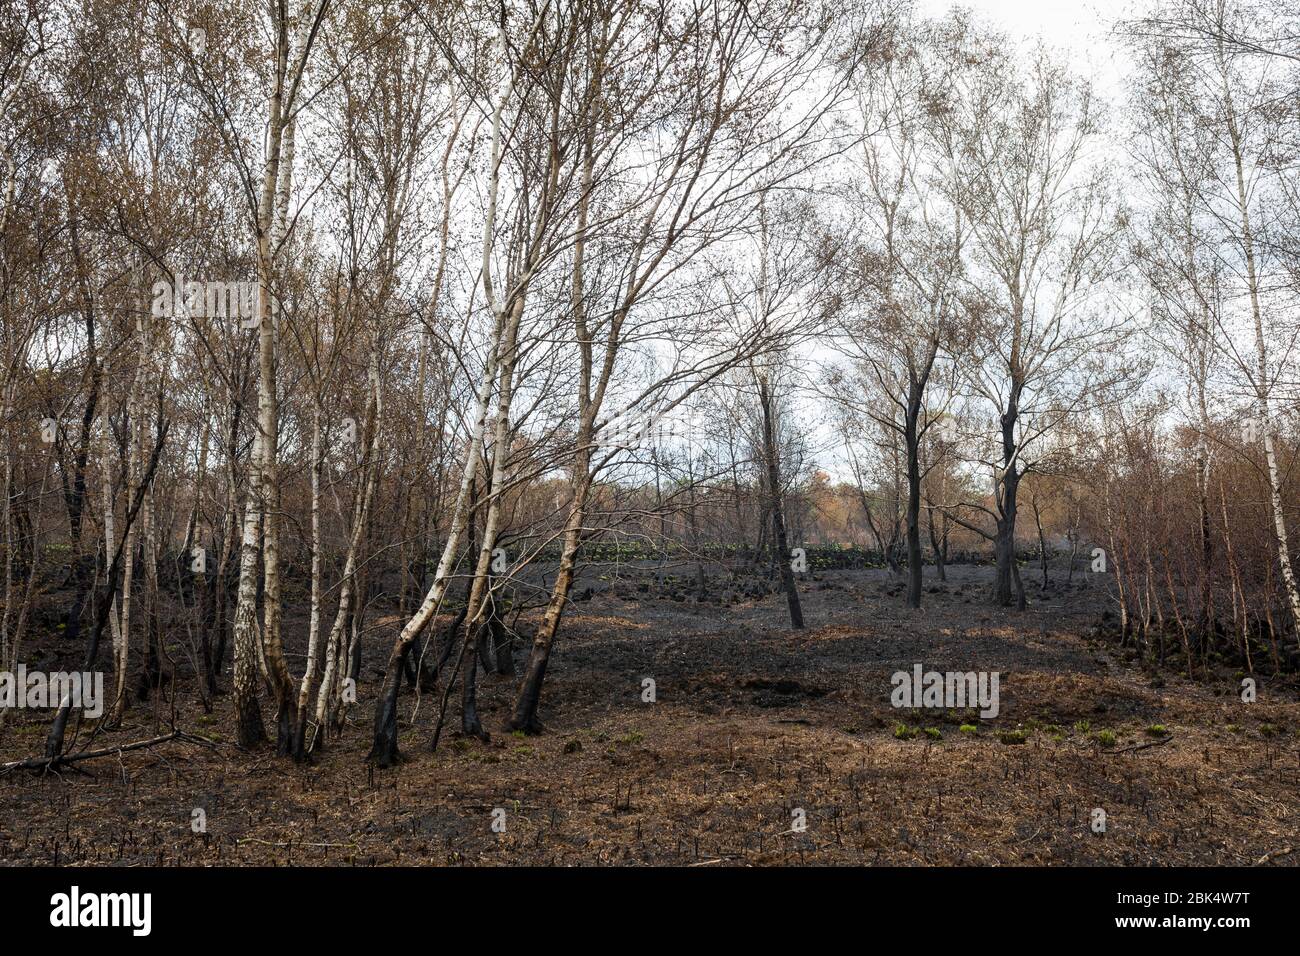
1274 854
290 843
50 763
1150 743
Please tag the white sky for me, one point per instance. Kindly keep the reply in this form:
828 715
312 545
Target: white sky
1081 28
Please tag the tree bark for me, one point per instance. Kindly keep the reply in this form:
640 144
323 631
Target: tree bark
780 543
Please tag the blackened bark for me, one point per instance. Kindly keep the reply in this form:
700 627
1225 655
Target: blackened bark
383 751
912 443
1204 625
1042 539
780 543
104 604
1007 586
530 692
938 543
525 717
502 644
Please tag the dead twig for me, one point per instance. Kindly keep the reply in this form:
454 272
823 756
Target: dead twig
1150 743
51 763
288 843
1274 854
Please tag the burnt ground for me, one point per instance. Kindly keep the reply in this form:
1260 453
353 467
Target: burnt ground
752 722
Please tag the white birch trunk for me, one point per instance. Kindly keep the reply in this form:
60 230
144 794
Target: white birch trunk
1262 373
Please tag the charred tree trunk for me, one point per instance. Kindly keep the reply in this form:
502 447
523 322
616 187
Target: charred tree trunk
912 445
1007 585
104 604
938 541
780 543
1042 539
525 717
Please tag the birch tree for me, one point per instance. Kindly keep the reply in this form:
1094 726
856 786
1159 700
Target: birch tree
1043 229
1227 88
902 276
693 121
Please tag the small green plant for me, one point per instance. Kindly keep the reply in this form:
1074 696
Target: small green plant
1157 730
1232 729
1268 730
904 732
573 746
969 729
517 733
934 733
631 737
1106 738
1082 726
1013 736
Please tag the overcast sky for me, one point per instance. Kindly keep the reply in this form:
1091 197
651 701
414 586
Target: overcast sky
1081 27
